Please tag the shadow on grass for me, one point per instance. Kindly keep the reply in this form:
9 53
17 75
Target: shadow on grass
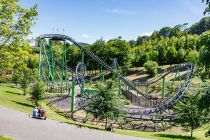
23 104
10 86
61 113
10 92
84 125
78 124
172 136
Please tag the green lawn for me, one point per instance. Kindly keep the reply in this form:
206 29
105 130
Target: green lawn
3 138
198 134
12 98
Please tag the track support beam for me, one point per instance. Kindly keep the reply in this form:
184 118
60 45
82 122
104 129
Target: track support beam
163 87
147 87
73 96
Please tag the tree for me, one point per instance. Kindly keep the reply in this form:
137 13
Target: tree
138 54
188 114
37 92
201 26
121 50
177 30
15 78
73 55
99 49
132 43
25 69
154 35
162 54
171 55
165 31
207 10
204 101
15 25
15 22
204 57
151 67
25 78
180 56
145 57
192 56
141 40
57 50
154 55
105 104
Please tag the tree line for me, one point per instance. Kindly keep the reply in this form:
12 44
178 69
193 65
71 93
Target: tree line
166 46
169 45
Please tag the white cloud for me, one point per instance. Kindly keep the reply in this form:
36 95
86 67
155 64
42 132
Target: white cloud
119 11
146 34
85 36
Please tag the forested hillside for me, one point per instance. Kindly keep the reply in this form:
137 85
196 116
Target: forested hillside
169 45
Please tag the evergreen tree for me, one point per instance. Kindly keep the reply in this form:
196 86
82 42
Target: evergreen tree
37 92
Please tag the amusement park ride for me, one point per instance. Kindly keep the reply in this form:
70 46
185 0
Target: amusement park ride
61 78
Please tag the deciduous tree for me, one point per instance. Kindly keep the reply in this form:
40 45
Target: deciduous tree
188 114
105 104
15 25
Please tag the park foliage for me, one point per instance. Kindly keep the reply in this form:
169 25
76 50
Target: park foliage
169 45
193 111
151 67
105 104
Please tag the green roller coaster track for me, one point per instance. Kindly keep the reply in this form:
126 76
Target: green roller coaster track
58 76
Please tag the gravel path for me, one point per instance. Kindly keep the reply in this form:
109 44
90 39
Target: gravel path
19 126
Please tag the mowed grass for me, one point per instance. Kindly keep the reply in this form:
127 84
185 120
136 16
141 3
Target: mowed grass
12 98
3 138
198 134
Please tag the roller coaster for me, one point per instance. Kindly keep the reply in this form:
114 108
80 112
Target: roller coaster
64 79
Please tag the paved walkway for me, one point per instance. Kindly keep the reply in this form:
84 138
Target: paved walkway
18 126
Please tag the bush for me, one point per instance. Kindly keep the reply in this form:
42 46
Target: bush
151 67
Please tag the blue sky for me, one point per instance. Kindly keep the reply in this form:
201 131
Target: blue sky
88 20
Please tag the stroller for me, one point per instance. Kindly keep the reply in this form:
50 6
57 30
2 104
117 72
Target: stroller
39 114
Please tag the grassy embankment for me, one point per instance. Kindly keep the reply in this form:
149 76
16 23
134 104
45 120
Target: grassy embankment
3 138
12 98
